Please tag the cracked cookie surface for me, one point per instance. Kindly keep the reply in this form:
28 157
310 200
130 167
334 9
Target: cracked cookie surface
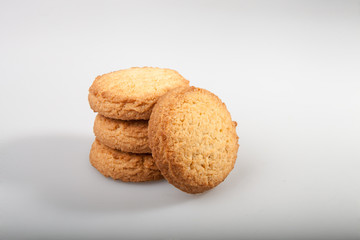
131 94
127 136
193 139
127 167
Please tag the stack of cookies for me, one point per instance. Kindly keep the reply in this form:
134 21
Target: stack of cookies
124 101
151 124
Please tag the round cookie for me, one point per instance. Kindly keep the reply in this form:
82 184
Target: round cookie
127 167
127 136
130 94
193 139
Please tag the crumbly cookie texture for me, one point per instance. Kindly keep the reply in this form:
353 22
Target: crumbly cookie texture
193 139
127 167
131 94
127 136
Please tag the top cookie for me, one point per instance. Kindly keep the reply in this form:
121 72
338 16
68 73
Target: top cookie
193 139
130 94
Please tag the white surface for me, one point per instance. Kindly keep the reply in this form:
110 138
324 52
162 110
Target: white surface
289 73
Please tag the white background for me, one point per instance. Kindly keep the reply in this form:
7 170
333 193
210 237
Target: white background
288 71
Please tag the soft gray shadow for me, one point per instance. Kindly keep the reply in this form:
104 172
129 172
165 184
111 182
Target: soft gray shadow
56 168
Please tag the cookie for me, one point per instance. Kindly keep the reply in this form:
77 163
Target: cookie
130 94
193 139
127 136
127 167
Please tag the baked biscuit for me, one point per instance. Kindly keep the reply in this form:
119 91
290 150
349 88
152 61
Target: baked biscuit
127 167
193 139
130 94
127 136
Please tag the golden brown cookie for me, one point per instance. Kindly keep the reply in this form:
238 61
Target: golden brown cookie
127 167
127 136
193 139
130 94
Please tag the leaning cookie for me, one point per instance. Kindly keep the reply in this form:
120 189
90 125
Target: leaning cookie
127 136
127 167
193 139
130 94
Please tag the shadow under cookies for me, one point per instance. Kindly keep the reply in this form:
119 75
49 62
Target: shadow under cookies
56 169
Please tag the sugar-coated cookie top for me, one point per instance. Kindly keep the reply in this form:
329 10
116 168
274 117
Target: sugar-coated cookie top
136 82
